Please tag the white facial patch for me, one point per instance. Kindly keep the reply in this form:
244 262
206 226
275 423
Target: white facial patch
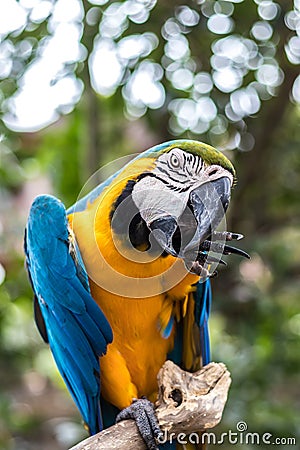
155 199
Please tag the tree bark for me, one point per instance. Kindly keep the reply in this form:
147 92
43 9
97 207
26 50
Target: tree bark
187 402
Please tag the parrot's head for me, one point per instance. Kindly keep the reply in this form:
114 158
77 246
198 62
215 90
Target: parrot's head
178 201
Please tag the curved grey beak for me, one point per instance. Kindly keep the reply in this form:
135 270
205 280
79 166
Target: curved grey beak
205 209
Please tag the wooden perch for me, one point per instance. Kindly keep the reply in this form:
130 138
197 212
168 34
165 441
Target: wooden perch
187 402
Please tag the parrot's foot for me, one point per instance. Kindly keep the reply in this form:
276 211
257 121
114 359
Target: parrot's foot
211 245
222 249
142 412
200 266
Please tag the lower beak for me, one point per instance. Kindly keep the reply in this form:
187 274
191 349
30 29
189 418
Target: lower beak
163 230
205 209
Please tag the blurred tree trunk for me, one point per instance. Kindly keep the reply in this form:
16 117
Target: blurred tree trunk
90 99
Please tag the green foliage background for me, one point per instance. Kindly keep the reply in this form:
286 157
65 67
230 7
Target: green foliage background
255 324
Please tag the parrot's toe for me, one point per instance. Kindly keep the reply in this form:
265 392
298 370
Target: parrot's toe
142 412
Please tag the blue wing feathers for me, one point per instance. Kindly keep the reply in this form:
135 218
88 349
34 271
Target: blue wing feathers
203 298
87 404
77 330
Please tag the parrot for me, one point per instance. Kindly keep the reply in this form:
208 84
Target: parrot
122 279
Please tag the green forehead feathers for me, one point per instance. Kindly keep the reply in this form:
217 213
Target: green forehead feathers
209 154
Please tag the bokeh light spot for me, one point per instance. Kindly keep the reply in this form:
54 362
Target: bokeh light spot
228 79
262 31
268 10
296 90
106 69
177 48
220 24
187 16
12 16
245 102
182 79
270 75
203 83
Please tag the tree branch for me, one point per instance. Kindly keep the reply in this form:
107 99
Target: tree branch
187 402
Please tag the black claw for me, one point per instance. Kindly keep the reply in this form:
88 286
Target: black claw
236 236
237 251
142 412
227 236
217 247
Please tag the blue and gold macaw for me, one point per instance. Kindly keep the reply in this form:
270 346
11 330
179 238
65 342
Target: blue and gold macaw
122 279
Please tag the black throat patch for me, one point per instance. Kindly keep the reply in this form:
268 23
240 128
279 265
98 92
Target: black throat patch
127 221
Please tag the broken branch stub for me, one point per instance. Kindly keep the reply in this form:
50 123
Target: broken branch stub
189 402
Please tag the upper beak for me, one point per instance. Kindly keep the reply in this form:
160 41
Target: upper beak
209 203
205 209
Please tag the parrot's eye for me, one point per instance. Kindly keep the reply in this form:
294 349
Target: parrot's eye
174 161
